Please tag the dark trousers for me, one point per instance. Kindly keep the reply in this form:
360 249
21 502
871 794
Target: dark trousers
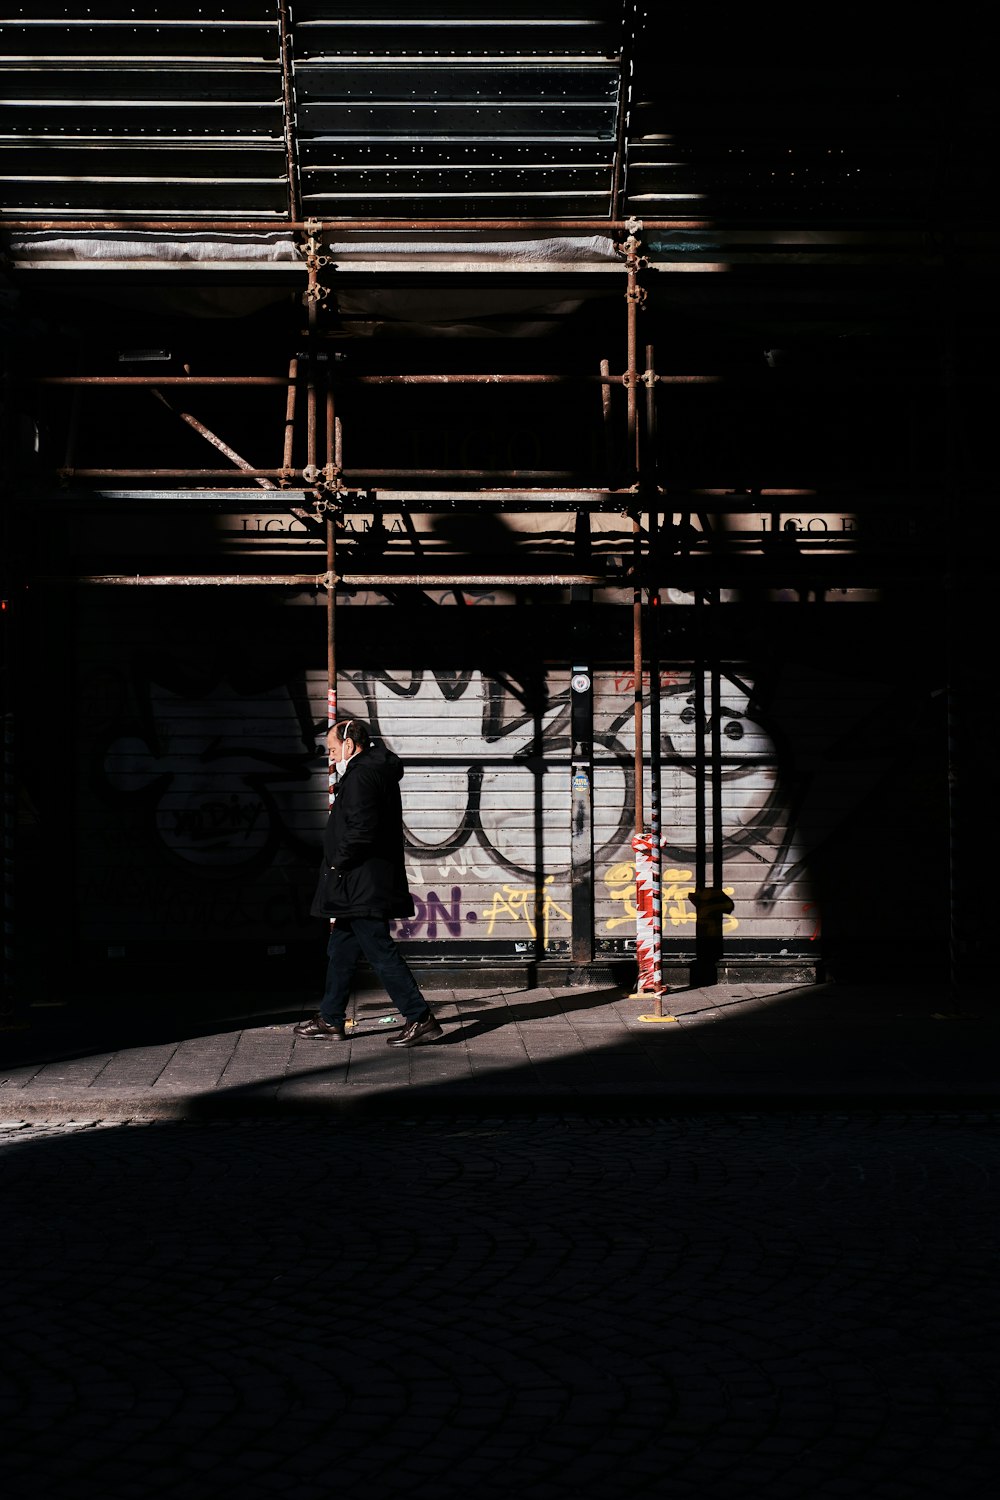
350 937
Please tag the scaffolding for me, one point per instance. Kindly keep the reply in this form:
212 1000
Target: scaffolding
325 490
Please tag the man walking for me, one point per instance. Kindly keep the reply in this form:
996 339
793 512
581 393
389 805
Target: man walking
362 885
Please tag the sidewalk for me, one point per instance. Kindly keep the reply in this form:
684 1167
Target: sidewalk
755 1045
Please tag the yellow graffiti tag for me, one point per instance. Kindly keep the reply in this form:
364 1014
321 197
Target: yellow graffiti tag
620 881
676 889
520 904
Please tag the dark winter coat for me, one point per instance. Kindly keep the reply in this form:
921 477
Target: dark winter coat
363 874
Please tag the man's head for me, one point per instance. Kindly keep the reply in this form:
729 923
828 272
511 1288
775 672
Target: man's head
346 739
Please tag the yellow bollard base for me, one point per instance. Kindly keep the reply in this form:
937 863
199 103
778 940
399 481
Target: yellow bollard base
658 1020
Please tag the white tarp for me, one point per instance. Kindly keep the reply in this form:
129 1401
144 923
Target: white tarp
472 309
52 247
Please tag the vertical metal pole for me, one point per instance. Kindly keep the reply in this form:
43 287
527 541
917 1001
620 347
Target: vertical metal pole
957 741
632 295
9 999
311 434
11 586
538 756
719 901
632 463
648 459
637 759
582 769
609 445
289 447
331 430
952 764
642 896
331 638
710 901
334 456
717 850
699 749
656 852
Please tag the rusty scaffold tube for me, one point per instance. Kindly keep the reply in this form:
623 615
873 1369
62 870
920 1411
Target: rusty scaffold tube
289 443
211 437
632 298
569 378
355 476
334 455
350 580
649 467
542 227
110 381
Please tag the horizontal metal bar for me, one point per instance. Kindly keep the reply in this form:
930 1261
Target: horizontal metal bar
359 475
348 475
174 473
644 378
144 380
540 225
383 497
547 502
349 580
484 379
672 502
362 496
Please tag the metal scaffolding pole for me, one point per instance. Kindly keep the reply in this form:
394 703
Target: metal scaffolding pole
477 378
539 226
703 972
323 474
356 477
333 456
331 640
645 940
326 580
210 437
649 467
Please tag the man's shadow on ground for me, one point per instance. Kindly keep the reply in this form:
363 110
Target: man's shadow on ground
471 1023
55 1037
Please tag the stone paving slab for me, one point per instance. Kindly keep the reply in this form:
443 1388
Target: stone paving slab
745 1041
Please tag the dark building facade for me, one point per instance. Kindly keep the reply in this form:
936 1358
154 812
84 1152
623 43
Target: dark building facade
621 461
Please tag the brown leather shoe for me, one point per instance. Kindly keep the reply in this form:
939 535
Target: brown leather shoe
415 1032
318 1030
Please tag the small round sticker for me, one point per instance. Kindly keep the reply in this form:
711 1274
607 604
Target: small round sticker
581 682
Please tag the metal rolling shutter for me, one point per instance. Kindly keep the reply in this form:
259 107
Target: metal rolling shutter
773 905
485 826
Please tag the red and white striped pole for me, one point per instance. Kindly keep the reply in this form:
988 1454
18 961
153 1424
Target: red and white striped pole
648 913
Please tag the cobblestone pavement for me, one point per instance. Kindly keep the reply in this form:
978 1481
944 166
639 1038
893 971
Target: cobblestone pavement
721 1305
